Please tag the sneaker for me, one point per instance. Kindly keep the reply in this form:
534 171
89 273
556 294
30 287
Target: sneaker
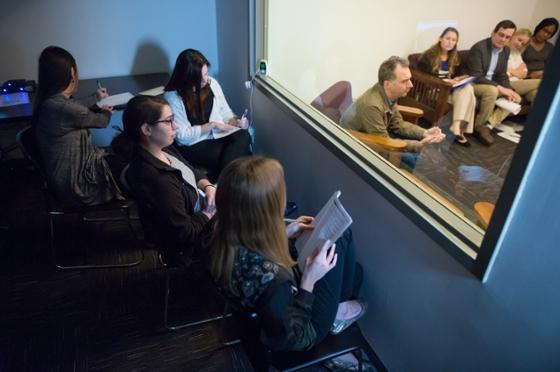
340 325
342 363
484 135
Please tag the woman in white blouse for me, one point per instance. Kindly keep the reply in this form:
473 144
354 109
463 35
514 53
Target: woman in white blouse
517 69
209 134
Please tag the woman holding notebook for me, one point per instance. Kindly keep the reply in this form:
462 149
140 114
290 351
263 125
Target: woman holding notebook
77 171
209 134
251 261
442 60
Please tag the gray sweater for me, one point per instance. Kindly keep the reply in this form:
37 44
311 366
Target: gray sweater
76 169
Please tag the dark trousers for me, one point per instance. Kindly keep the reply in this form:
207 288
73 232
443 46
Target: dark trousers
338 285
213 155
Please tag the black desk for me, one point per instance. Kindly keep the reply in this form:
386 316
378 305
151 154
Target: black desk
114 85
121 84
17 113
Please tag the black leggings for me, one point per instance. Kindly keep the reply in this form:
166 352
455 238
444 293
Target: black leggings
338 285
213 155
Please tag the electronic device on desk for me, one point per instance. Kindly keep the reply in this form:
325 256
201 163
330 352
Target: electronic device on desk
18 85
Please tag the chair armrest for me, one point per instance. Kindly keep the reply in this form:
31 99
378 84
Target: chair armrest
433 192
373 140
484 210
411 114
430 79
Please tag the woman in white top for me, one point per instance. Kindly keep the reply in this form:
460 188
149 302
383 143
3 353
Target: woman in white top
517 68
209 135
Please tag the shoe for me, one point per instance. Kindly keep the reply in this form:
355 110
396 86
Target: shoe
462 140
340 325
484 135
336 364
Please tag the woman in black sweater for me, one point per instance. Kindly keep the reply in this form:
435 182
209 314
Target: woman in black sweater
175 200
250 260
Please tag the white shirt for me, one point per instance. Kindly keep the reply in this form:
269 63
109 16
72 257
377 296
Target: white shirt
188 134
514 61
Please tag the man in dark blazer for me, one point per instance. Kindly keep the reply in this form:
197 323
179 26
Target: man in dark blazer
488 62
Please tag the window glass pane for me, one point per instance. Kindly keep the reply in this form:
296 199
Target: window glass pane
328 54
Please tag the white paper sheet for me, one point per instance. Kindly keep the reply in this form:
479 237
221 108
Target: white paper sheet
157 91
329 224
116 99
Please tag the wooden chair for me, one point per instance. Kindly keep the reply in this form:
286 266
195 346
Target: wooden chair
338 97
484 211
431 94
28 144
434 193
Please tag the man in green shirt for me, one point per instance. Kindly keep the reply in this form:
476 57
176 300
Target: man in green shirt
376 112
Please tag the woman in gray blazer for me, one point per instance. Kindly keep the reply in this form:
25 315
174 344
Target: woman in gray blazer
77 171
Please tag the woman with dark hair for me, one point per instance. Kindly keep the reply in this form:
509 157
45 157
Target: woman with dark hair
537 52
175 200
442 60
250 260
208 132
77 171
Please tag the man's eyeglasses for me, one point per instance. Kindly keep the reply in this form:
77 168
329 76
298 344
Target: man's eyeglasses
169 121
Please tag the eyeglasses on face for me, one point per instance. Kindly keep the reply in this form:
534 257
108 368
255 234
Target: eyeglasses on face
169 121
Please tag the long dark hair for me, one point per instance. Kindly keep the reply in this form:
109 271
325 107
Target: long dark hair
55 74
139 110
547 22
186 79
453 55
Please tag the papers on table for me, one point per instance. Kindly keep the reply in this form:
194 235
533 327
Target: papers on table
157 91
510 106
14 99
115 100
329 224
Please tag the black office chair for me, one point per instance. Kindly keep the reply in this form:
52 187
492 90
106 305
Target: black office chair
28 144
262 358
172 269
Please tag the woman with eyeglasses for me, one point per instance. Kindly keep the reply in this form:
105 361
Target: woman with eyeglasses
77 171
175 199
537 52
209 134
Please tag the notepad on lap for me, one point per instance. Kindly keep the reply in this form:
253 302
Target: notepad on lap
329 224
461 83
115 100
216 133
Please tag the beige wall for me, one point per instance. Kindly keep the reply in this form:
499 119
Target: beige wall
309 50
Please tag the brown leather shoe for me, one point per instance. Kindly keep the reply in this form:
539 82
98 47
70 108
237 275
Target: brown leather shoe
484 135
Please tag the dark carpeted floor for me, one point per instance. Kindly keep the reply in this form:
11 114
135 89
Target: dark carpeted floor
112 319
108 319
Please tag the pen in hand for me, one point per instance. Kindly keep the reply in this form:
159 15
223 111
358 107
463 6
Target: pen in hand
101 92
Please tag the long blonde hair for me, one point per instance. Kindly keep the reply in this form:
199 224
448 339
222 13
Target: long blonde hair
250 200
